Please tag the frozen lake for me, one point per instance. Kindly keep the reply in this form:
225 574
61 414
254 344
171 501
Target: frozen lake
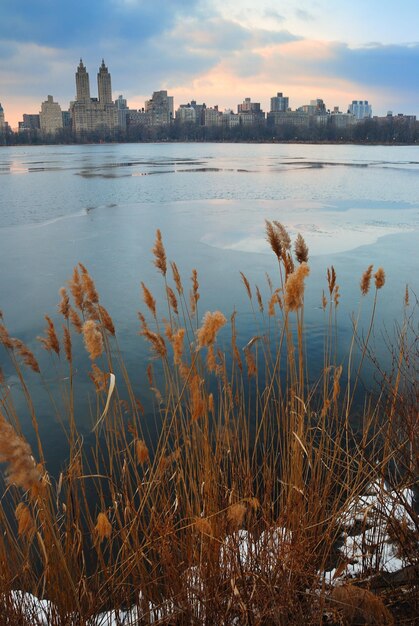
101 205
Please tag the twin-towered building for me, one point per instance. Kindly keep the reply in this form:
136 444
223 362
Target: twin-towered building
92 114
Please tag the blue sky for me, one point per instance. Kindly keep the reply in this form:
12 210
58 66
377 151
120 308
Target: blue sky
216 51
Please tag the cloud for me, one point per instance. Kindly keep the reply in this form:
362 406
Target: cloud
52 23
274 15
305 16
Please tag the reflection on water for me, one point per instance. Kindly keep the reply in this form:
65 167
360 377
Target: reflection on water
101 205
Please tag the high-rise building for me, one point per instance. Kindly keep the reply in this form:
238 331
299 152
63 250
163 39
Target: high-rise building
279 103
186 114
2 122
250 112
161 108
82 84
31 121
50 117
93 114
122 108
104 88
360 109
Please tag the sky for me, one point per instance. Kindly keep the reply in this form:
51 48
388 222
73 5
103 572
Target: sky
213 51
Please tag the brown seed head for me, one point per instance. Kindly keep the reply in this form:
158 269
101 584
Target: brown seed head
236 513
331 279
211 324
75 319
301 249
380 278
88 285
76 289
52 335
247 285
141 452
67 344
176 278
197 405
106 320
157 342
93 339
283 235
194 295
295 287
259 299
27 356
203 526
103 527
98 378
160 254
336 296
273 238
172 299
64 304
26 524
14 450
177 343
5 338
149 300
366 280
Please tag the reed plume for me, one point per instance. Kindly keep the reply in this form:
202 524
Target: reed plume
76 289
64 304
160 254
157 342
141 452
177 343
273 238
250 362
148 299
211 324
259 299
197 402
98 378
283 235
380 278
106 320
236 513
301 249
202 525
176 278
50 342
103 527
16 452
93 339
88 285
331 279
247 285
194 296
172 299
27 356
5 338
294 292
26 524
274 299
75 319
366 280
67 344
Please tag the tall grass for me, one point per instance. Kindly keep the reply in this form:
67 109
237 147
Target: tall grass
232 513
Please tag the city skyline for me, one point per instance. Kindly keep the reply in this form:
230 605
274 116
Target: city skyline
212 51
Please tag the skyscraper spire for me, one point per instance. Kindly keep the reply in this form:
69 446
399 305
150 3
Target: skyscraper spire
104 87
82 84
